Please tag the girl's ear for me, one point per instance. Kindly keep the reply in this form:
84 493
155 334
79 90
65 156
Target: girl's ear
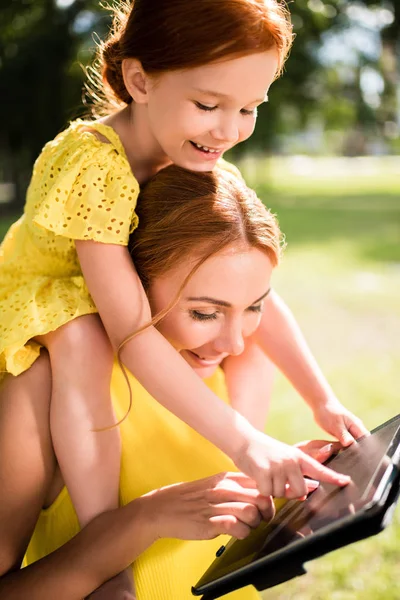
135 79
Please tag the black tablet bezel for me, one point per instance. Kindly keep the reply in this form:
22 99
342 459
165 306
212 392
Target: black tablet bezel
286 563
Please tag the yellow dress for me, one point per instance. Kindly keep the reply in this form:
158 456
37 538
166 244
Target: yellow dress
157 449
81 189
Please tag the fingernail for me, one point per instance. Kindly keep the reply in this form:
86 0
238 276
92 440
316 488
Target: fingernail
326 449
344 480
312 484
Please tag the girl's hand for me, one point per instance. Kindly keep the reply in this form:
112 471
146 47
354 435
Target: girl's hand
279 469
335 419
227 503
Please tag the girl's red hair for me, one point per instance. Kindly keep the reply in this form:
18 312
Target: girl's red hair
166 35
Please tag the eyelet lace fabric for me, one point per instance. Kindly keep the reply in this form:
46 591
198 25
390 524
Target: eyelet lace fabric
82 188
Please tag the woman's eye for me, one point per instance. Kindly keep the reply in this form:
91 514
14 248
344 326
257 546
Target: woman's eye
256 308
205 107
199 316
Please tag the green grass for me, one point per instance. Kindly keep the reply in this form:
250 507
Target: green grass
341 277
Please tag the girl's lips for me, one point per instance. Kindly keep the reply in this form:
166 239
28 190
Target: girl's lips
206 155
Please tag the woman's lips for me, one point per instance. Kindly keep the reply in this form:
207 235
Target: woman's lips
205 362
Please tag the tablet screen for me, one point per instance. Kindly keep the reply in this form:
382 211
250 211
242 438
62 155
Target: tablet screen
366 462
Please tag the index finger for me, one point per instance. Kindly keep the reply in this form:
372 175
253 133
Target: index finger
314 469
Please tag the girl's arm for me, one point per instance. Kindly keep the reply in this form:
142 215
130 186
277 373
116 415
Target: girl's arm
249 378
124 308
282 340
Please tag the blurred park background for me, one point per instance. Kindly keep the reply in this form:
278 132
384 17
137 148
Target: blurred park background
325 158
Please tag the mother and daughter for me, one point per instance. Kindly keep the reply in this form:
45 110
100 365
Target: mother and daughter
195 298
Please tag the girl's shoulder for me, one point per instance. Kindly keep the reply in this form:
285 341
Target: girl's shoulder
84 144
82 185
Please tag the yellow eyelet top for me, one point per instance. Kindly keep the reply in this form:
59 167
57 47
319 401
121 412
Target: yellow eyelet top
81 189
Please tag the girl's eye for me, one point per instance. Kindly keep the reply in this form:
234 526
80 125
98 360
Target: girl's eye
199 316
205 107
249 113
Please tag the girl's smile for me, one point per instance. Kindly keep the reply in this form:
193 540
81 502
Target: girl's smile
190 117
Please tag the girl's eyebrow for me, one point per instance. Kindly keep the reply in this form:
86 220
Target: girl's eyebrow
223 96
222 302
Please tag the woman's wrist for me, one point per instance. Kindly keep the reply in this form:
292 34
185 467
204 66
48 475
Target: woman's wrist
144 520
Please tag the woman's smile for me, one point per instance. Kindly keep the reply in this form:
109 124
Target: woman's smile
203 360
214 314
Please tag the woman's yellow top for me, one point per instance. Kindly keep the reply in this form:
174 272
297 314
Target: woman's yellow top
82 188
158 449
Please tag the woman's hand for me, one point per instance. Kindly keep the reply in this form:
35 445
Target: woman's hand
335 419
320 450
227 503
279 469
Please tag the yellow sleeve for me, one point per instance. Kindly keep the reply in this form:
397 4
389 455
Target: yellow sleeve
85 191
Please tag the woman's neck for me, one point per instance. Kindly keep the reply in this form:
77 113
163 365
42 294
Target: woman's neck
144 154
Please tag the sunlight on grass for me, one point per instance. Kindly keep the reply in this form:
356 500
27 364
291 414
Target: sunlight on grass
341 278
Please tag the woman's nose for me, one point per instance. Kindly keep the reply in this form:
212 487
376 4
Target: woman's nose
231 340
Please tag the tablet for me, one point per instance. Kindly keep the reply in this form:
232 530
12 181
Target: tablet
330 517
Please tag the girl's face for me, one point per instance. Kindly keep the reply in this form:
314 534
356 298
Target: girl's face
197 114
219 307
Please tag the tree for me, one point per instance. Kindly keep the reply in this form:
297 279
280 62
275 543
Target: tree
38 44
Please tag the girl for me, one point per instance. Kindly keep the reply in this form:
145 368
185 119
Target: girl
236 236
188 95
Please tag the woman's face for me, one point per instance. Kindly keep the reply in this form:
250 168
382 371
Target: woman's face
219 307
197 114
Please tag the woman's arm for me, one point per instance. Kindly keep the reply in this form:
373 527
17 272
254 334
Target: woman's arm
224 503
105 547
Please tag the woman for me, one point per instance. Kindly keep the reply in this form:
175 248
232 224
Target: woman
206 284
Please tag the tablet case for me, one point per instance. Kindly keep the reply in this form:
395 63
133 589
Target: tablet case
289 562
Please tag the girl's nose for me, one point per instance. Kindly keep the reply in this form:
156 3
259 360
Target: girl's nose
227 130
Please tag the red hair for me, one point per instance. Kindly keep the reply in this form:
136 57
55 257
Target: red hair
185 214
166 35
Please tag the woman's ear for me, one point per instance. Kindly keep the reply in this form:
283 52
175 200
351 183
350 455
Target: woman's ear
135 79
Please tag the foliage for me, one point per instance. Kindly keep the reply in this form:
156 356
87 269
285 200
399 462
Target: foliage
42 43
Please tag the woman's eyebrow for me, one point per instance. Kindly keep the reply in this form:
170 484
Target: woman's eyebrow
217 302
